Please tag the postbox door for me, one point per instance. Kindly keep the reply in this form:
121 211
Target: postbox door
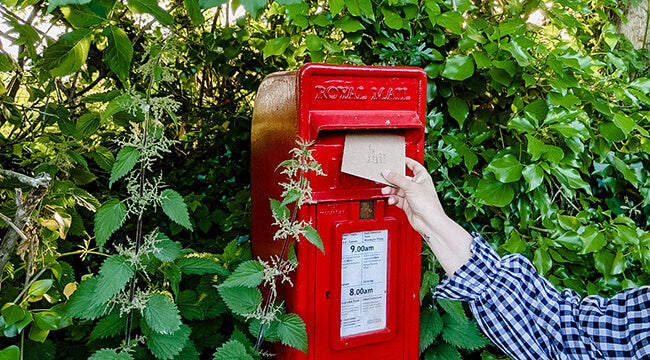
362 283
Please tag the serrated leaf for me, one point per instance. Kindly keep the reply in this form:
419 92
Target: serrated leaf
430 327
442 351
111 325
67 54
291 330
174 206
232 350
194 12
241 300
167 346
161 315
126 160
279 211
116 105
119 53
110 354
165 249
87 124
454 308
292 196
81 302
108 219
248 274
462 334
151 7
199 266
313 237
114 274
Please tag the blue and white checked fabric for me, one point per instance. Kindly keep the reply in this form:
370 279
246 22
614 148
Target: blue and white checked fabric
523 314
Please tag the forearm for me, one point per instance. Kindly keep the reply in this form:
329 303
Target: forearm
450 243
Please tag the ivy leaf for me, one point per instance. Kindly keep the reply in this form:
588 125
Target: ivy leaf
110 354
151 7
248 274
126 160
642 84
114 274
494 192
430 327
241 300
313 237
232 350
392 18
458 109
11 352
276 46
162 315
109 217
592 240
452 21
174 206
291 330
119 52
462 334
56 3
167 346
336 6
194 11
458 67
67 54
507 168
12 313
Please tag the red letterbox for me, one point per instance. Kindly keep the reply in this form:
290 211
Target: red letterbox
360 298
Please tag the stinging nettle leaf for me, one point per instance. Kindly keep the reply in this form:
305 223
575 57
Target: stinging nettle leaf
232 350
167 346
109 217
241 300
248 274
174 206
291 330
199 266
161 315
313 237
114 274
165 249
110 354
126 160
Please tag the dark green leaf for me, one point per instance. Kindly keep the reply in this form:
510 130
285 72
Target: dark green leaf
458 109
194 11
67 54
126 160
119 53
506 168
151 7
458 67
276 46
161 315
53 4
110 354
108 219
254 6
174 206
291 330
313 237
232 350
167 346
248 274
241 300
114 274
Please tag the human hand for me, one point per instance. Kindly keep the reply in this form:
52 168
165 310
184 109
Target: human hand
416 195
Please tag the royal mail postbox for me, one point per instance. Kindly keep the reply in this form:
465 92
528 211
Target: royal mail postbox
360 298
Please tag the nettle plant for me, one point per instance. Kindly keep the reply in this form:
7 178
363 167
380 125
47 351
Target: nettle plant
267 317
127 295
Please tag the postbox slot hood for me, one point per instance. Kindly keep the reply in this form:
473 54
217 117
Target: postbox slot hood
353 120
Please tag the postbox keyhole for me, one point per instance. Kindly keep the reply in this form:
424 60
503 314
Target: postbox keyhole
366 209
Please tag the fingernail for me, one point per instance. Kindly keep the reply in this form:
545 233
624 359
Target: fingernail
385 173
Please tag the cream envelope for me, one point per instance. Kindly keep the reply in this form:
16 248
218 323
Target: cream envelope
367 154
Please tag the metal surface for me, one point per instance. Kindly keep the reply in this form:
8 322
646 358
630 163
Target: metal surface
320 103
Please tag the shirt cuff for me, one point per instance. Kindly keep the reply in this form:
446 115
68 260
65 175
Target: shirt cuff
471 279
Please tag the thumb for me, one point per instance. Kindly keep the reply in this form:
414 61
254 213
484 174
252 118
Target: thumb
396 179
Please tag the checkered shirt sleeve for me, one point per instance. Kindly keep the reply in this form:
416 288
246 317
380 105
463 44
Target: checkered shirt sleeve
523 314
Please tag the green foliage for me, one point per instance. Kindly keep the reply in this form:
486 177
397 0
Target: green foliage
537 135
